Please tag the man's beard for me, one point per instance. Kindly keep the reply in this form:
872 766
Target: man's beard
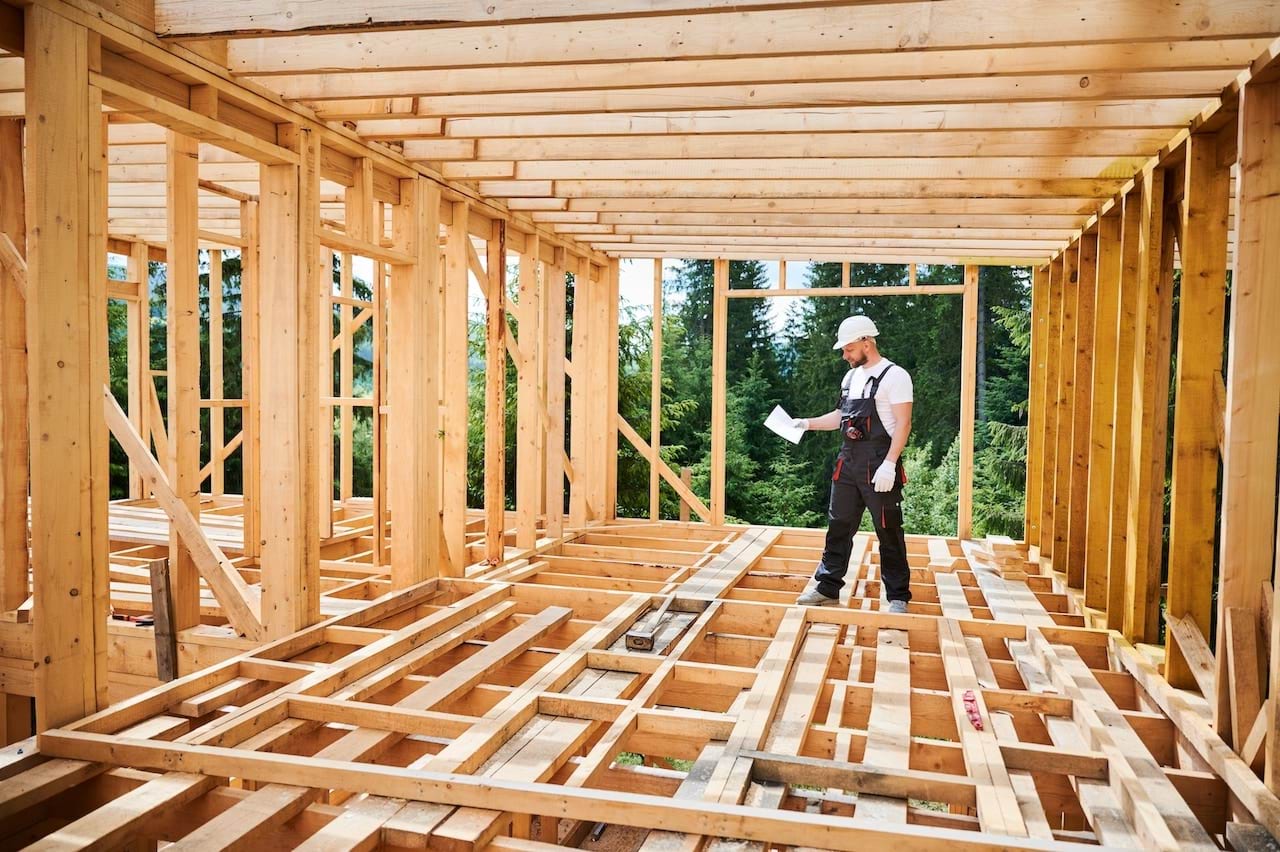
858 361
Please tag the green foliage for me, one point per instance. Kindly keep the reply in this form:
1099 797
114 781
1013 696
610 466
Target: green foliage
769 481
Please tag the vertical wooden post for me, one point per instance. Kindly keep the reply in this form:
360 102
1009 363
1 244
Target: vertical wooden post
182 340
15 710
289 210
1049 445
1066 408
346 380
579 407
495 395
1150 399
554 334
138 335
528 408
686 476
13 379
455 386
1247 550
1082 363
719 393
323 285
610 416
1193 493
216 391
65 333
655 392
1122 446
1036 403
414 385
968 399
250 375
1097 548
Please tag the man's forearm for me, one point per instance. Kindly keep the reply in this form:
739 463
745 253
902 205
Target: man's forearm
825 423
898 444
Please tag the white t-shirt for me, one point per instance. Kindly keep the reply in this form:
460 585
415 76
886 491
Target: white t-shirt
895 387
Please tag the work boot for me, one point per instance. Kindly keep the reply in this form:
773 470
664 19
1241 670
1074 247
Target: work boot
813 597
898 607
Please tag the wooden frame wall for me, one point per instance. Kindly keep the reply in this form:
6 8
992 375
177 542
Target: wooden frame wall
1222 425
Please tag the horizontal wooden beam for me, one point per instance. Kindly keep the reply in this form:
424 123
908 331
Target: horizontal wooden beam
875 28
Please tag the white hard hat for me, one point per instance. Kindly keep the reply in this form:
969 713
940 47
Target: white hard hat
854 328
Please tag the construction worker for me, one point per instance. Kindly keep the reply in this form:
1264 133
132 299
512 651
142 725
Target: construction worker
874 417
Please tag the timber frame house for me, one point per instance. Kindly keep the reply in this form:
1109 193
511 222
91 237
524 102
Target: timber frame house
330 670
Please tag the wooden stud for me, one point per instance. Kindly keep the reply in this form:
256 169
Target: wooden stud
138 333
65 330
1122 445
968 398
454 387
612 282
414 385
216 387
529 443
495 395
1036 403
14 445
553 328
1193 496
1253 389
250 378
1082 363
15 710
655 392
1066 408
1049 452
1151 399
182 271
323 287
1097 547
719 331
287 306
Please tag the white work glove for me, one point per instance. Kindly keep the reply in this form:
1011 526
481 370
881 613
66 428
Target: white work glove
885 476
800 423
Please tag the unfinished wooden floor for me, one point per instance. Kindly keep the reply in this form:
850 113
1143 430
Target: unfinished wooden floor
510 712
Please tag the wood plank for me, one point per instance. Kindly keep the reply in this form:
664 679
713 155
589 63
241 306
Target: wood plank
1193 495
1122 448
65 333
182 343
997 804
240 603
1036 404
288 258
529 433
1066 409
15 710
1150 382
881 28
968 397
413 374
455 386
1081 410
719 330
1049 450
890 704
1102 436
1253 387
495 394
553 328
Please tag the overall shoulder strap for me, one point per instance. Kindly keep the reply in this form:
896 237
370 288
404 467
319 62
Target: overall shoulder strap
873 383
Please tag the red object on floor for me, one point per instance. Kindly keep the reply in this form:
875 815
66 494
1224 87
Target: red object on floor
971 708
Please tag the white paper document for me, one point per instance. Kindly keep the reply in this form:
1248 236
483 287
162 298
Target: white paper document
779 421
